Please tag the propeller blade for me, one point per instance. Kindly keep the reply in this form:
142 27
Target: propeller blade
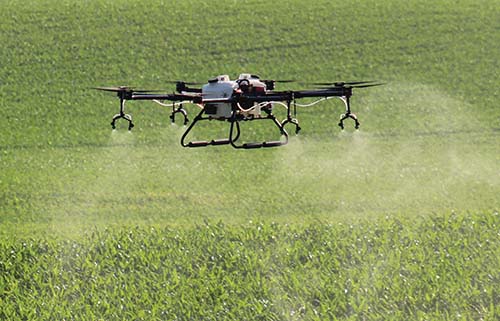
353 86
114 89
125 89
282 81
189 83
322 83
342 83
358 82
146 90
368 85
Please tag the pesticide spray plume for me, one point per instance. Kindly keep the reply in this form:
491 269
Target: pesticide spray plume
396 168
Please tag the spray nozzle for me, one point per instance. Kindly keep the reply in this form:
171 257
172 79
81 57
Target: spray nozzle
179 110
293 121
345 116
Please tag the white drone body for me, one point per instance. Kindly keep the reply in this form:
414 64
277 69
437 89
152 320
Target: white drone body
222 87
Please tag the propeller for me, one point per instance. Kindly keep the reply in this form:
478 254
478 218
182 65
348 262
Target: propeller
181 86
122 89
368 85
283 81
189 83
350 84
342 83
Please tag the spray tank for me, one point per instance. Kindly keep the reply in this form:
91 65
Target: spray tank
219 87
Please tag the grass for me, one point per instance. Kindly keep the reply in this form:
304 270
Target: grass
413 195
261 271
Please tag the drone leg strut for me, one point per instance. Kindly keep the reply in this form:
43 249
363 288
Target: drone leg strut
235 123
290 119
203 143
193 144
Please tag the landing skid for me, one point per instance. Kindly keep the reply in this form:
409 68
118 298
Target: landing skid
234 133
203 143
235 124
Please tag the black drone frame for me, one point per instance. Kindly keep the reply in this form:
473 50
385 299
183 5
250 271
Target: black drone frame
342 90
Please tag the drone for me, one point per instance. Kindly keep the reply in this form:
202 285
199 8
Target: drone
248 98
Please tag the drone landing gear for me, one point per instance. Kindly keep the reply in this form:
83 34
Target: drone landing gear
122 114
235 123
235 133
201 143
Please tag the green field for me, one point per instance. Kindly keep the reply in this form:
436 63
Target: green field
398 220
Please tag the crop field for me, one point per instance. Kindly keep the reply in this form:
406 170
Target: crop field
396 221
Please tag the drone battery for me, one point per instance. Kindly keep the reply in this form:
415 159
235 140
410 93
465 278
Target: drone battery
211 109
